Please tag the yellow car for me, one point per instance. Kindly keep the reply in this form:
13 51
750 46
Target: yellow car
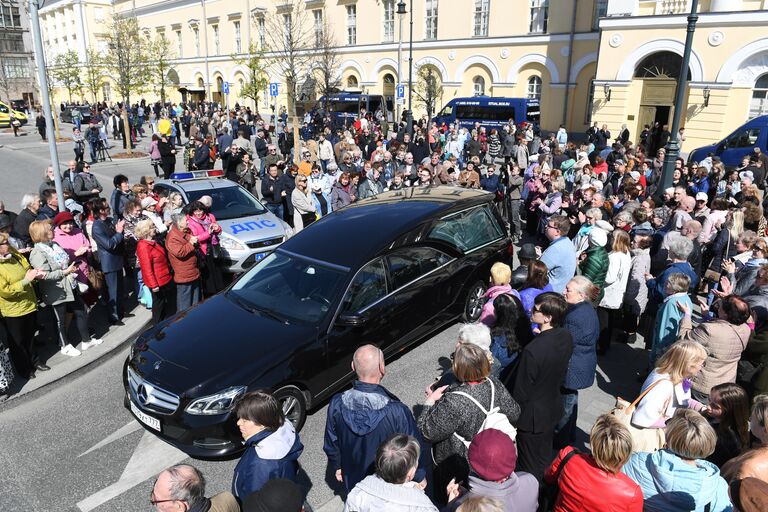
6 113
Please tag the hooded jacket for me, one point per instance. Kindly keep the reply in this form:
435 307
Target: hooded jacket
375 495
487 315
358 421
671 485
519 493
595 268
268 455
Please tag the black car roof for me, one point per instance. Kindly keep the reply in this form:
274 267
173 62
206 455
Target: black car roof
354 235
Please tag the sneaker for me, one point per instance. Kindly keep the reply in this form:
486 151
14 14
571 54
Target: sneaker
71 351
90 343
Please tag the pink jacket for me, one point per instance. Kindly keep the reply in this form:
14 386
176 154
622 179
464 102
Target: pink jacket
199 228
72 242
154 151
488 316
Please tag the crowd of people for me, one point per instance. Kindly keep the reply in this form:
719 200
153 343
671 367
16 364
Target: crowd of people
608 256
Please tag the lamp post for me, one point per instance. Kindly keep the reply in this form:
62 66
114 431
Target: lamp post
409 112
400 15
673 147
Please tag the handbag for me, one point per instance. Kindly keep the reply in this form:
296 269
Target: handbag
95 278
548 496
7 374
746 372
643 439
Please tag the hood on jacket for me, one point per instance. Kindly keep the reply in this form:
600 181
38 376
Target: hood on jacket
495 291
363 407
283 443
375 495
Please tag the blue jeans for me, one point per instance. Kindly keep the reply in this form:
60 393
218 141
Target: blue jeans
187 295
277 209
566 427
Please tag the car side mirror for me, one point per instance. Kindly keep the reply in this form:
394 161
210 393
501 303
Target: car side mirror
351 319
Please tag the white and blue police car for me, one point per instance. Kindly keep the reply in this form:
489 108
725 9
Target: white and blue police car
248 230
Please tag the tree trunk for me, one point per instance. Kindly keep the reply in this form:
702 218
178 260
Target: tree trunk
127 130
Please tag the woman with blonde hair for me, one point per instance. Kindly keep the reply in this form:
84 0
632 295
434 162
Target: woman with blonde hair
677 478
304 209
668 387
594 483
619 266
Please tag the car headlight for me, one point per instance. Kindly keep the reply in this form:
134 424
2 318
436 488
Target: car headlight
287 229
231 244
219 403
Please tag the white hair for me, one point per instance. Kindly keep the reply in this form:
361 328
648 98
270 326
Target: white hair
28 199
476 334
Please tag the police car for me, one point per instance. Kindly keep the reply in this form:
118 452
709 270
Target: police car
248 230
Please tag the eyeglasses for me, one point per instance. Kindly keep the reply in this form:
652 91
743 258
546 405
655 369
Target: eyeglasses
154 503
86 167
150 183
551 227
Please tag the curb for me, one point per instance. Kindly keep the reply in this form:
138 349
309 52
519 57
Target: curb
115 346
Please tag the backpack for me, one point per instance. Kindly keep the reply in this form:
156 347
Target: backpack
493 417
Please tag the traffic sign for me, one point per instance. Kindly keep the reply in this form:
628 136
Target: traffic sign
273 89
400 92
225 88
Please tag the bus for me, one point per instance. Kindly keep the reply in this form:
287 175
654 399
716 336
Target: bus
489 112
345 107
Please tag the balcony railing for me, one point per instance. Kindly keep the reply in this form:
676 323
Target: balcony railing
673 6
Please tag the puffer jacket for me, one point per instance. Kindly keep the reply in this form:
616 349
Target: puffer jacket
154 264
595 268
585 487
669 484
375 495
724 343
182 256
581 321
17 295
619 266
358 421
268 455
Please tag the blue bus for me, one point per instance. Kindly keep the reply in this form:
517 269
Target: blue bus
345 107
489 112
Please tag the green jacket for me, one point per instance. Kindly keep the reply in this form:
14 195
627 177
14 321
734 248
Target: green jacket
595 268
17 295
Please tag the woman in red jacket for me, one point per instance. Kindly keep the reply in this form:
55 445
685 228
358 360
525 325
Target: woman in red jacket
595 483
155 271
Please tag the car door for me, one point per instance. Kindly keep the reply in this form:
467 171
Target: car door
739 144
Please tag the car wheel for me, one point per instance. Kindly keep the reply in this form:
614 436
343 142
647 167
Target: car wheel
294 405
473 306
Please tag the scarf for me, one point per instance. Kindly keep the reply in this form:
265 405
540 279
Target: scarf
55 254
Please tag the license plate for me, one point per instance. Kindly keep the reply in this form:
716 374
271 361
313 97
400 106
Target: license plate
260 256
146 419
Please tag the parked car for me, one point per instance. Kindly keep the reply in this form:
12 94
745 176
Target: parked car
66 114
390 269
7 113
740 143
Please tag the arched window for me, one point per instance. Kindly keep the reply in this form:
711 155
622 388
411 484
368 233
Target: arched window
352 82
200 82
219 84
759 104
660 65
478 86
534 88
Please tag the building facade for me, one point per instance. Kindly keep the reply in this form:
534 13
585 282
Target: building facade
16 62
641 44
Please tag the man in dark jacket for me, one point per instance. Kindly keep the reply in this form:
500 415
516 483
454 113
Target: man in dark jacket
109 241
272 192
50 205
31 204
287 184
360 419
202 158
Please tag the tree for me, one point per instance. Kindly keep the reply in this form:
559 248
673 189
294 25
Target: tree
160 56
127 56
428 90
5 80
66 71
93 72
326 63
256 79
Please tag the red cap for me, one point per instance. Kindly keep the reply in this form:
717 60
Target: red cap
62 217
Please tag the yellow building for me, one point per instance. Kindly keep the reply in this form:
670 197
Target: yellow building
641 44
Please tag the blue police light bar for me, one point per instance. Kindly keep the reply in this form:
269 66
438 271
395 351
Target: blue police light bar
197 174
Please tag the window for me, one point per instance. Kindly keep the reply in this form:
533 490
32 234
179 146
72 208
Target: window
430 30
216 42
481 17
601 11
368 286
12 41
468 230
16 67
262 29
98 14
238 39
9 17
478 86
534 88
179 46
352 24
196 32
744 138
318 15
759 104
287 29
106 90
539 16
407 265
389 21
352 82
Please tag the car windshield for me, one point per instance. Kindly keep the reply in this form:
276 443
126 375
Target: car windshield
229 202
288 288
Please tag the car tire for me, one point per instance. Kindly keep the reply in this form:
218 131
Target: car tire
473 305
294 405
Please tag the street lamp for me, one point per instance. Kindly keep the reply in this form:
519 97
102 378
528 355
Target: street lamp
706 92
673 147
408 113
607 92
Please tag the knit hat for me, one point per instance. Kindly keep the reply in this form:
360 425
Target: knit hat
750 494
280 495
148 202
598 238
62 217
492 455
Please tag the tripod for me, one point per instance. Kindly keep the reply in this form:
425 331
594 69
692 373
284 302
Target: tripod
102 153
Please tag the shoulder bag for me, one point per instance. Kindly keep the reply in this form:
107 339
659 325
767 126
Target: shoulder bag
548 496
643 439
713 274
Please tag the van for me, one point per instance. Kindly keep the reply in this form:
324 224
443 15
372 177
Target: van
489 112
345 107
7 112
752 134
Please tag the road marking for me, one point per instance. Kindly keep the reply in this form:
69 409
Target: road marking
131 427
151 456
